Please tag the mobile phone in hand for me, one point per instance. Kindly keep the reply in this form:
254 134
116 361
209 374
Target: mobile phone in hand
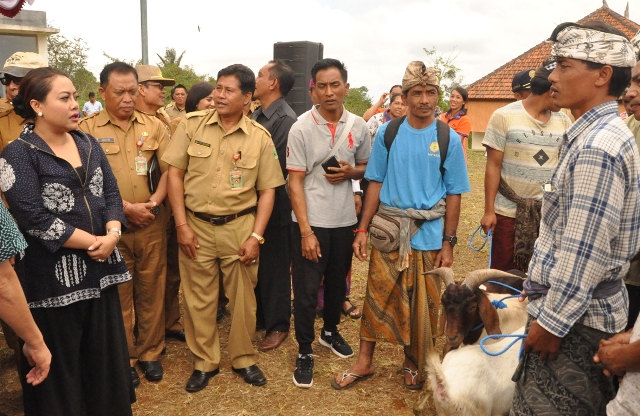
332 162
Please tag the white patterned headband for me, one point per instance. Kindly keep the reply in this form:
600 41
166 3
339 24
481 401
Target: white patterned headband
594 46
635 42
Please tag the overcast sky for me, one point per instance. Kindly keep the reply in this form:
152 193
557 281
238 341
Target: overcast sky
375 38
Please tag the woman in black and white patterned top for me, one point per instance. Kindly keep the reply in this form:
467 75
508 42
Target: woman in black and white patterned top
65 199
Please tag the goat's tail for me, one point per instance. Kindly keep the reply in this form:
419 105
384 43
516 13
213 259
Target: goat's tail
436 377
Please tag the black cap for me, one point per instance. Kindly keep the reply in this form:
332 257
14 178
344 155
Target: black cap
522 80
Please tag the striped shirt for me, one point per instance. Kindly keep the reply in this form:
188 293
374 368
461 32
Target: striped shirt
530 151
589 227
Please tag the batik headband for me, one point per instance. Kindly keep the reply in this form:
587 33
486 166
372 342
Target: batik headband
418 74
635 43
594 46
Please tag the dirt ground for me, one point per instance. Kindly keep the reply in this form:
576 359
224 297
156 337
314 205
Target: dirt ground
227 394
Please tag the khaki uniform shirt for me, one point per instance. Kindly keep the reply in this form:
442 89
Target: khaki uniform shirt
121 149
174 124
11 124
203 148
160 115
173 111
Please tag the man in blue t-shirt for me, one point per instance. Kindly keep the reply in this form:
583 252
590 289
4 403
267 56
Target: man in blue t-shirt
407 184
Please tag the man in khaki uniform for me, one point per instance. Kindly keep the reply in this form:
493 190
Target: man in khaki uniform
176 108
130 139
218 159
151 93
15 68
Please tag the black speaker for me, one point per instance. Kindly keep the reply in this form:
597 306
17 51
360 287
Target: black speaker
300 56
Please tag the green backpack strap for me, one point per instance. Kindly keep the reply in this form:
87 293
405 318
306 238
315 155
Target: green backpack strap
443 132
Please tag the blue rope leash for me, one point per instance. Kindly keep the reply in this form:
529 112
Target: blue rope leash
504 285
486 237
498 304
517 337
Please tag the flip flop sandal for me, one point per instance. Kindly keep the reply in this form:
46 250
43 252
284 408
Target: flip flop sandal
413 374
351 309
356 379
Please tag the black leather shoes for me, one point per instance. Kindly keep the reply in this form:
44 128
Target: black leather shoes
199 380
252 375
179 335
152 370
135 380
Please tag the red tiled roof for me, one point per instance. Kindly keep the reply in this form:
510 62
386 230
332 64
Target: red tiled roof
497 84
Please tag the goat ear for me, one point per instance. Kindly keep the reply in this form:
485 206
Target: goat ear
488 314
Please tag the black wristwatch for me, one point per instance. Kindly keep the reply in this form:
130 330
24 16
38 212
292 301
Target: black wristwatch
453 240
358 193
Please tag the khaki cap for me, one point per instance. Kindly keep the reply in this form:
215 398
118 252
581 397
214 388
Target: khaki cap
20 63
153 73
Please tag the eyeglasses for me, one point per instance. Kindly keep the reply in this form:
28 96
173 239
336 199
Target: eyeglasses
7 79
152 84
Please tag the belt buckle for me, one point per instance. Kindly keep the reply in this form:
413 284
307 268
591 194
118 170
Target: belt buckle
218 220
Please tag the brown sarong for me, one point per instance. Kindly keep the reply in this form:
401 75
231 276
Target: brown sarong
402 307
528 212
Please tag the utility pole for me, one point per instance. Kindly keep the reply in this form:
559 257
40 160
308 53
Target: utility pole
143 29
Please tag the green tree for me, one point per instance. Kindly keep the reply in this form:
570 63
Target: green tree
358 100
70 57
186 75
115 59
170 57
65 54
449 73
170 66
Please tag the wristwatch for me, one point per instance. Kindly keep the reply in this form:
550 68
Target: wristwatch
453 240
358 193
258 237
115 231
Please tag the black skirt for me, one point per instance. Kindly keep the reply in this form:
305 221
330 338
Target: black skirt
89 372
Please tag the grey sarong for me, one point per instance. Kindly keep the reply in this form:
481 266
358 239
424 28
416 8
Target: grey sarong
571 385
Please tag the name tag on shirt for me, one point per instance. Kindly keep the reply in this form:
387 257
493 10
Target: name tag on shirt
107 140
202 143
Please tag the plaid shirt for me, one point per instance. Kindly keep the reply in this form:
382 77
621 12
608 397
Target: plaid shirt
589 227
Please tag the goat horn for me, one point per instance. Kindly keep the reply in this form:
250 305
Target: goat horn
445 273
478 277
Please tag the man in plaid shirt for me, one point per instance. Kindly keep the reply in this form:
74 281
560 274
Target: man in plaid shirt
588 232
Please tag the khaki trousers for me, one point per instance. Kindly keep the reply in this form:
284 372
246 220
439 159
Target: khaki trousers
145 252
171 295
217 258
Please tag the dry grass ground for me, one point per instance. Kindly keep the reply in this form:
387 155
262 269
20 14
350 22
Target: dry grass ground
227 394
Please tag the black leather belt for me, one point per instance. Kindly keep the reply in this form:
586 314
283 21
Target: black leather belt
213 220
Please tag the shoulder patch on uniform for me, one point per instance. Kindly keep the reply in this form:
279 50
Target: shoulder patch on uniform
90 116
196 114
275 153
260 126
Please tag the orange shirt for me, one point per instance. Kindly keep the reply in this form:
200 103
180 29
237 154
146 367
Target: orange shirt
460 123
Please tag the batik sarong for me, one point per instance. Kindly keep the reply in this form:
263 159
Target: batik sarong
570 385
402 307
